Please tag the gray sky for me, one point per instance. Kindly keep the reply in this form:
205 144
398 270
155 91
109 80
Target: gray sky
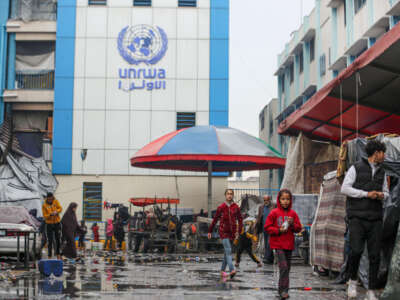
259 30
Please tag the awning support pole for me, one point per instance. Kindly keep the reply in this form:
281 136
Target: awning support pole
209 203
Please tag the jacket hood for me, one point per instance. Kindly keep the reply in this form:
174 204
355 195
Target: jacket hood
279 203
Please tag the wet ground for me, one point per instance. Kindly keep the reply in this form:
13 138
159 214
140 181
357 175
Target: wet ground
127 276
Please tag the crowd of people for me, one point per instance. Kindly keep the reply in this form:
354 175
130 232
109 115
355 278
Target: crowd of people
365 185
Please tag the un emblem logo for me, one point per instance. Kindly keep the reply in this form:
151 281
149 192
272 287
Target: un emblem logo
142 44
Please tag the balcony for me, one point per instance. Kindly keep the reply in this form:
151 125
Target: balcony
38 80
33 10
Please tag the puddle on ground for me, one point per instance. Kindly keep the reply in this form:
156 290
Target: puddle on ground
101 276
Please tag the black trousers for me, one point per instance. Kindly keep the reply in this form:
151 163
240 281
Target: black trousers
138 240
245 245
284 263
362 231
53 232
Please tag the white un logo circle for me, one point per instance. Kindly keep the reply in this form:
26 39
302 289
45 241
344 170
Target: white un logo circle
142 44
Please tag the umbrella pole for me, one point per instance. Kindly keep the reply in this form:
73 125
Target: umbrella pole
209 204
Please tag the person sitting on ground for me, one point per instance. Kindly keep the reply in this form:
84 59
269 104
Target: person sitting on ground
245 241
70 230
282 223
81 241
51 210
109 232
95 231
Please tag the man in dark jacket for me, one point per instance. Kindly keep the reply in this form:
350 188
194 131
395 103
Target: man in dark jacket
263 212
228 214
365 186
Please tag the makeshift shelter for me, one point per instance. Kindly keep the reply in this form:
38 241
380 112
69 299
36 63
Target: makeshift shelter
328 229
208 149
24 180
328 246
307 161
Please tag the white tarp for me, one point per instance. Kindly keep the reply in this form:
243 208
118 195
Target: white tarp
34 63
25 182
17 215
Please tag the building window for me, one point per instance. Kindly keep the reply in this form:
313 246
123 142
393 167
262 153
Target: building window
142 2
282 82
271 176
185 120
322 65
358 4
97 2
301 62
262 120
312 49
271 126
329 57
187 3
291 72
92 201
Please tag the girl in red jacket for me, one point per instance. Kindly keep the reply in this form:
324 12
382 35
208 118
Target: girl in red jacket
281 224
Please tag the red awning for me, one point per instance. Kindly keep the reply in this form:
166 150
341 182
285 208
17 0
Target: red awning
150 201
377 72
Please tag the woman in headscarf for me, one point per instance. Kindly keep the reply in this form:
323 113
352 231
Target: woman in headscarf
70 229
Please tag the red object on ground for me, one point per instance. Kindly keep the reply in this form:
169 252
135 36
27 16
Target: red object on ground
325 116
150 201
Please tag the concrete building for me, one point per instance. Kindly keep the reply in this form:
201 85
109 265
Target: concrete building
93 81
330 39
270 179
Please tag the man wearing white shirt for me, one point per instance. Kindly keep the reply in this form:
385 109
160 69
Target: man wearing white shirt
365 186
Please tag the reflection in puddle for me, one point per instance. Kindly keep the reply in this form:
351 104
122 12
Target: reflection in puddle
98 277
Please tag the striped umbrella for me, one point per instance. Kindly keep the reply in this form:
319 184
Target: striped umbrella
208 149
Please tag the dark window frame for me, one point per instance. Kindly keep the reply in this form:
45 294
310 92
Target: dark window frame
142 3
97 2
301 62
185 120
92 194
312 49
358 5
187 3
322 65
291 73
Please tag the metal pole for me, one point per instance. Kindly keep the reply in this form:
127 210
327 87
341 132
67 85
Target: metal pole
209 204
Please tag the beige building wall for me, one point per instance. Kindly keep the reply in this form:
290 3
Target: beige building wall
269 179
192 190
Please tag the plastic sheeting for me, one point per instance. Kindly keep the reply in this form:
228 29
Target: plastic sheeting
392 289
25 182
34 10
305 206
355 151
17 215
303 151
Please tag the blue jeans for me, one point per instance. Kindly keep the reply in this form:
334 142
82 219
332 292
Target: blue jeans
227 255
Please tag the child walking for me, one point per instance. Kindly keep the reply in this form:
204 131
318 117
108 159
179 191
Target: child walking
281 224
245 242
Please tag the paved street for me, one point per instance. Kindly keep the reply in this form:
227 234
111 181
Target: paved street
158 277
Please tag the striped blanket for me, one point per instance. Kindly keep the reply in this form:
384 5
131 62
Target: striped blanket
327 233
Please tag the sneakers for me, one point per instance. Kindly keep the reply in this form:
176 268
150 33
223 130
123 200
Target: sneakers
352 289
371 295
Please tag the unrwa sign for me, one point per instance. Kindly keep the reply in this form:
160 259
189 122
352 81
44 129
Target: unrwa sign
142 44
